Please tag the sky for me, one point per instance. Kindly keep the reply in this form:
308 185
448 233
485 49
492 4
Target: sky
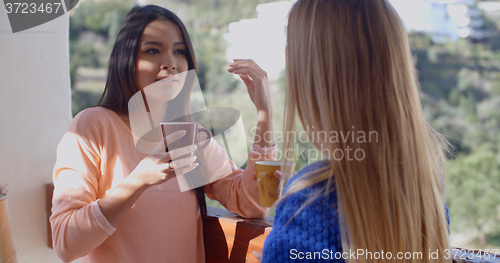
261 39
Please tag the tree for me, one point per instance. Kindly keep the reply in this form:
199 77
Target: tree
95 20
472 192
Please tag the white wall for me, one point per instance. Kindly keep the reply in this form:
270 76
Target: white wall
34 113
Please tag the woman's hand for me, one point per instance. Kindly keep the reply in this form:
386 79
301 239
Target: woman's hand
257 84
255 79
152 170
159 168
278 174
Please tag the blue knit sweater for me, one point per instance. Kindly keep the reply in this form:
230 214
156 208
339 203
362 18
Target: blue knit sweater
314 234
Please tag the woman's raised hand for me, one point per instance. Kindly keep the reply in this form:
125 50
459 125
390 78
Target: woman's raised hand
255 79
258 88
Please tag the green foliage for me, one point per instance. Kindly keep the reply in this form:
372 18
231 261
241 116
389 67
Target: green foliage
210 51
83 99
101 17
84 54
457 81
461 99
472 191
91 22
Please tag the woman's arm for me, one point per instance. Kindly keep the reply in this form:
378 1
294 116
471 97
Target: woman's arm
264 132
237 190
80 220
152 170
255 79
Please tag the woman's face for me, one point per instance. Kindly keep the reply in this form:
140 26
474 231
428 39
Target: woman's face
161 56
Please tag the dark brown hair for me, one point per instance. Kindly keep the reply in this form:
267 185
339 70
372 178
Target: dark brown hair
121 83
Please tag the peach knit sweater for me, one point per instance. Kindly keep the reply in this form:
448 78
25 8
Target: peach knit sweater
164 225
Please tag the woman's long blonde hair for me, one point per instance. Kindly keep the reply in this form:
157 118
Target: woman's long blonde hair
350 69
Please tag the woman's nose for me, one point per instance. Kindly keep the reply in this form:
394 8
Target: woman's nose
168 67
168 64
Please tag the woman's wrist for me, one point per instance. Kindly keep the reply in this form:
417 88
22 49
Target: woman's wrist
135 183
265 113
264 132
117 202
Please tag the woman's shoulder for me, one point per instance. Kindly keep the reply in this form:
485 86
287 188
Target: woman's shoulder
315 166
317 195
93 115
95 119
320 199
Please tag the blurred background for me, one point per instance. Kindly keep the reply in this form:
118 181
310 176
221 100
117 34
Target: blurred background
456 45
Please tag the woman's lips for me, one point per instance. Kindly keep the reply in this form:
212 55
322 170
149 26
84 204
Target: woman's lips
167 79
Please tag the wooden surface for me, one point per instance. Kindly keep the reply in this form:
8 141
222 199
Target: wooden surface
230 238
49 191
7 250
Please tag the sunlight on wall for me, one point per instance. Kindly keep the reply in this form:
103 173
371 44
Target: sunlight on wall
34 113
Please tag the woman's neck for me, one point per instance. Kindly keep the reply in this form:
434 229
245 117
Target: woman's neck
156 114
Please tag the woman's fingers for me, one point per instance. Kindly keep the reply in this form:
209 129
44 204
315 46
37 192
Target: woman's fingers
255 79
247 63
253 71
176 153
247 71
182 162
247 67
278 174
185 169
175 136
159 149
245 79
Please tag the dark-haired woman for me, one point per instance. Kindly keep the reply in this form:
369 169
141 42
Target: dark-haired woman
113 203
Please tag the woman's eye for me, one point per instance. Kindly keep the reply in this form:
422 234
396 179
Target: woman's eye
152 51
180 52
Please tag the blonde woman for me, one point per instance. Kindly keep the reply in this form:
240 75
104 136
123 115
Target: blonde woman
378 195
